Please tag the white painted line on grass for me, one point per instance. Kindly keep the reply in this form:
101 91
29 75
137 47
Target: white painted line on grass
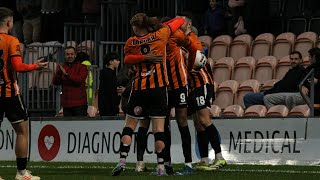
132 168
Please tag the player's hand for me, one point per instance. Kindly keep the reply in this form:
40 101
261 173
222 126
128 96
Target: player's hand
64 72
41 63
153 58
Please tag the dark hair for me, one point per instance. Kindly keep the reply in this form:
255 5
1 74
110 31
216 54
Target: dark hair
315 52
297 52
165 19
71 47
82 56
4 13
109 57
185 14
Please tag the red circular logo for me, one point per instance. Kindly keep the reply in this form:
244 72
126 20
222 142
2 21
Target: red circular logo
48 142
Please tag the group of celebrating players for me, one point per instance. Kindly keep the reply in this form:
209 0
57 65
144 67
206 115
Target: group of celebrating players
171 73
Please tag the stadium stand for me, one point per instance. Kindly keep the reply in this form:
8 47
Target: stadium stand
300 111
223 69
206 41
215 111
226 93
314 25
265 69
240 46
262 45
233 111
297 25
282 67
268 84
255 111
220 47
304 42
244 69
278 111
245 87
283 44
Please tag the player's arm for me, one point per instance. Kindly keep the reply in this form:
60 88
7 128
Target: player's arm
174 24
139 58
19 66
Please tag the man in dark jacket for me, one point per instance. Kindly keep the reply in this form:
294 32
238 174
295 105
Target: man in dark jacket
285 91
72 77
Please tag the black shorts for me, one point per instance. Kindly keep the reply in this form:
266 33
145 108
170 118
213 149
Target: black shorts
151 103
200 98
14 109
178 97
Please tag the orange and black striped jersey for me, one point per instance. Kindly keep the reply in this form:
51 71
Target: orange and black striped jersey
9 47
150 75
202 76
176 65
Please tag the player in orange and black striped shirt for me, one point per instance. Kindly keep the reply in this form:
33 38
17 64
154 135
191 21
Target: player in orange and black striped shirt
199 104
149 94
10 99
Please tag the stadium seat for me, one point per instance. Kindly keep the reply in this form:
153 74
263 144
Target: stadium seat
297 25
268 84
278 111
301 111
283 67
265 69
233 111
211 62
215 111
240 46
262 45
226 93
245 87
292 8
306 61
256 111
304 42
283 45
223 69
244 69
220 47
216 85
206 41
318 44
314 25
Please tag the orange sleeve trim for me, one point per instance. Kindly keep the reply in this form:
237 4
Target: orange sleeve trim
175 24
133 59
192 55
21 67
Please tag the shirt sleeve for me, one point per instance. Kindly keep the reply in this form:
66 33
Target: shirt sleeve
14 48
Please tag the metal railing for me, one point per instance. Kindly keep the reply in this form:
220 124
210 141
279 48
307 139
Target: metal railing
309 100
84 37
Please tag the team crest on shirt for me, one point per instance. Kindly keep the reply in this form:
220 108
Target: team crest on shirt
145 49
137 110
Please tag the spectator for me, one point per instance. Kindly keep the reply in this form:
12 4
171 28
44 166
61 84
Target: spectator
109 100
83 58
314 55
213 23
237 9
285 91
31 13
72 77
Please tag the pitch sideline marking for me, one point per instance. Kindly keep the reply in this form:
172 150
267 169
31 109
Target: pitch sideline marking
132 168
